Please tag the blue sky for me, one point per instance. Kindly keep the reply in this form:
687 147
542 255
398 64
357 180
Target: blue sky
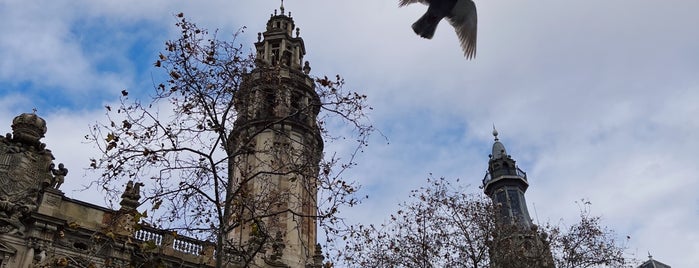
594 99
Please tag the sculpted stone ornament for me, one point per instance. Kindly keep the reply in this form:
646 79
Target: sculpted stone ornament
132 191
25 169
275 259
131 195
59 175
29 129
12 214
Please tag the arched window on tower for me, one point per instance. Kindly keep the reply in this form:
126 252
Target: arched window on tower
266 103
516 205
296 112
286 58
501 202
275 54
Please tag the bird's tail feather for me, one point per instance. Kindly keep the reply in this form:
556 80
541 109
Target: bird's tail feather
426 25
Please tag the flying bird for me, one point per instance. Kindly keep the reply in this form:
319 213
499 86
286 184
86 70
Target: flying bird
460 13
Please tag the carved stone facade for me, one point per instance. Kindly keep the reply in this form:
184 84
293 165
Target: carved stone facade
277 108
40 227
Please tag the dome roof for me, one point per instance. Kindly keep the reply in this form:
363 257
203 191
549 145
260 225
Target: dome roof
499 150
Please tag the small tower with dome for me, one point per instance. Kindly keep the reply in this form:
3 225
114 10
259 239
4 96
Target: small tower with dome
517 242
505 184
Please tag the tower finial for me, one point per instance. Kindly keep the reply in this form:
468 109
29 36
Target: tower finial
495 133
281 8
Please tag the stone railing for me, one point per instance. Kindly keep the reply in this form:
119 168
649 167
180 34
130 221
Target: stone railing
149 235
501 172
188 245
171 244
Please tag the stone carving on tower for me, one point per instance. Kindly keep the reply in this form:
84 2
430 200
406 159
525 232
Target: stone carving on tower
26 169
516 242
275 151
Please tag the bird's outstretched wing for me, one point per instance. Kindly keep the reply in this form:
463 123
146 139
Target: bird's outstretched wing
408 2
465 22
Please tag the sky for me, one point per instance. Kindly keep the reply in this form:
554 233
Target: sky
595 99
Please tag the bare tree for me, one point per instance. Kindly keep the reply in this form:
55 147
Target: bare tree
199 173
443 226
586 243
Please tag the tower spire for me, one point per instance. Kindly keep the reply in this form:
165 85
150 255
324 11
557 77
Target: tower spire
495 133
277 45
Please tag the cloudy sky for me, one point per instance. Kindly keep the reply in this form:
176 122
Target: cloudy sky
595 99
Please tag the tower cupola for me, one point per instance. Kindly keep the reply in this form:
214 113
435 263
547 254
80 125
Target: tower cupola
506 184
281 43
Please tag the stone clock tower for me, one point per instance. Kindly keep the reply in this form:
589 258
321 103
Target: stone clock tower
275 151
